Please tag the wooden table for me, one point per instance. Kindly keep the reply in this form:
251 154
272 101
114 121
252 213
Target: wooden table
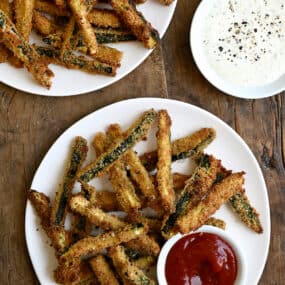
29 124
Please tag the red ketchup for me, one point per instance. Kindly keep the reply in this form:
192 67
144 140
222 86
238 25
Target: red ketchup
201 259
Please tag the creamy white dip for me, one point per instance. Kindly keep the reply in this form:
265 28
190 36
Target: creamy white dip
244 40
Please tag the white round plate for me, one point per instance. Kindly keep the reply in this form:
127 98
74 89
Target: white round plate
74 82
196 44
228 146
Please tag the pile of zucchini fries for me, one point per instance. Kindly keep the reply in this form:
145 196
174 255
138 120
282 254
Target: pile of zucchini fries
126 248
74 34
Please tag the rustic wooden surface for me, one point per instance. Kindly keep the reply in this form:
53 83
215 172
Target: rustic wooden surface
29 124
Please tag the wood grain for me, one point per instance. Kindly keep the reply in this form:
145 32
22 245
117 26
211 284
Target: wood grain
29 124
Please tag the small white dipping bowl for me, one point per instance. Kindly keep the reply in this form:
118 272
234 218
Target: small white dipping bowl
233 242
210 74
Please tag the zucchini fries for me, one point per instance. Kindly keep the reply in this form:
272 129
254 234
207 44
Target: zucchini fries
75 31
77 156
24 51
163 175
118 231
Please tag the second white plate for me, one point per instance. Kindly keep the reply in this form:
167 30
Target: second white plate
74 82
228 146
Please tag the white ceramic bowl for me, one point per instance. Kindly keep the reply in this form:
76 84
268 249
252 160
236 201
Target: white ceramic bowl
210 74
232 241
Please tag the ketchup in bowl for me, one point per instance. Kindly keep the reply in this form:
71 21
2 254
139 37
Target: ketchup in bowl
201 259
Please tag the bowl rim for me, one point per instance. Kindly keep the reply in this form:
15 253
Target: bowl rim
232 241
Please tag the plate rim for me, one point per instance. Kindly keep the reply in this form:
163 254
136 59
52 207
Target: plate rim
114 79
186 105
224 86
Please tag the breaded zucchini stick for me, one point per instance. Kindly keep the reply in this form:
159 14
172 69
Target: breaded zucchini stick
23 10
140 175
81 226
78 154
126 269
136 22
99 143
60 238
52 9
103 270
196 187
105 36
24 51
76 62
80 12
42 206
104 18
134 134
105 54
247 213
66 37
43 24
69 262
182 148
137 171
95 215
106 221
123 187
219 194
212 221
163 175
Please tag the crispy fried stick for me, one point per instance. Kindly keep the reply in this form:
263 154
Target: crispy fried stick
23 16
24 51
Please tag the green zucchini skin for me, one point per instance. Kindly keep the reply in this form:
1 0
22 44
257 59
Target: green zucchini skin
149 160
134 134
105 36
78 155
76 62
192 152
247 213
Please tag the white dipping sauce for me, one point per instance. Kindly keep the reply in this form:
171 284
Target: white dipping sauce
244 40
